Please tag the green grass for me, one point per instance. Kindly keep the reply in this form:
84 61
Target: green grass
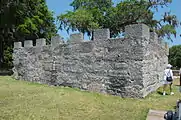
20 100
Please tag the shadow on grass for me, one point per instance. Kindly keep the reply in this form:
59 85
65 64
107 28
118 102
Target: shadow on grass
160 93
6 72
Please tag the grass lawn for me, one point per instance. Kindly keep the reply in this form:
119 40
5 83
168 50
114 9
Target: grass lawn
20 100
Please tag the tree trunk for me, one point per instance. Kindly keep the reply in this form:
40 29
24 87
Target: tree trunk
180 79
1 52
92 38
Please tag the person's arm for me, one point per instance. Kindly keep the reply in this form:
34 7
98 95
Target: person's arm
171 73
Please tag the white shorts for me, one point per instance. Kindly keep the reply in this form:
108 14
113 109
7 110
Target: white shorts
166 82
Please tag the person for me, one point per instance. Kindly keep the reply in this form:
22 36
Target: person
168 79
180 76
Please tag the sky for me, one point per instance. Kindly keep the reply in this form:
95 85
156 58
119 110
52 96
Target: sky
61 6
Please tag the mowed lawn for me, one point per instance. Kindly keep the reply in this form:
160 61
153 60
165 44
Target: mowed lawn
20 100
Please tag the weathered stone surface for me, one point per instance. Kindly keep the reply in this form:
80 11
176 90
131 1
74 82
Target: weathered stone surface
156 115
56 40
137 30
127 67
76 38
41 42
101 34
17 44
28 43
154 37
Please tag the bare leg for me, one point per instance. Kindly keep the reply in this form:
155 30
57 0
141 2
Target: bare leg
170 87
180 79
171 93
164 88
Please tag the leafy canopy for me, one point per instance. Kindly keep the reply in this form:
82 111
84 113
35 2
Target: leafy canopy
23 19
175 56
92 14
26 18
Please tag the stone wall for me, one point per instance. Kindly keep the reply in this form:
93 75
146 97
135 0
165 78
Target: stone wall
128 67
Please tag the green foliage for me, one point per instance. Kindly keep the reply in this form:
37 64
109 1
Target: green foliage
24 19
8 57
115 17
102 5
81 18
38 21
128 12
87 15
175 56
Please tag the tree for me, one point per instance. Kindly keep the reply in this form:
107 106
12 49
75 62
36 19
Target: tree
175 56
38 21
86 16
23 19
91 14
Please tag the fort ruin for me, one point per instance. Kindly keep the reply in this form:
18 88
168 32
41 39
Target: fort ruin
128 67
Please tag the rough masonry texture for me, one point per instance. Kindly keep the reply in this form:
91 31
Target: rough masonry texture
128 67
